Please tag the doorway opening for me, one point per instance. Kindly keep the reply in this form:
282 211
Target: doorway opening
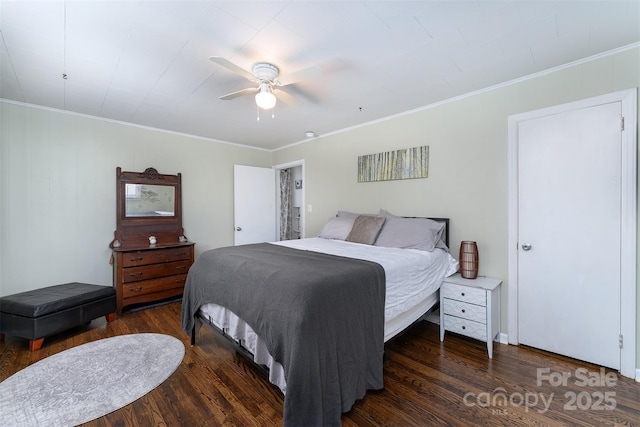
290 200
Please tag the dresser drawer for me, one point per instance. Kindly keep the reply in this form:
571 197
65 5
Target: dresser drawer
477 313
136 274
466 327
146 287
132 259
464 293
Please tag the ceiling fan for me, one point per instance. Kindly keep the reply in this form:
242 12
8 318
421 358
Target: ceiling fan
268 79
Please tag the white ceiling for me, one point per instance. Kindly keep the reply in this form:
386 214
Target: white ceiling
146 62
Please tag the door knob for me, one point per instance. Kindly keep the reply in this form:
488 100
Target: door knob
238 229
526 246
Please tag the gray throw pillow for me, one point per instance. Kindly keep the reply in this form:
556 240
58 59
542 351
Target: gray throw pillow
365 229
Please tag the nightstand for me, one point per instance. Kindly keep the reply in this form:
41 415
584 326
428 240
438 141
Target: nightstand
471 307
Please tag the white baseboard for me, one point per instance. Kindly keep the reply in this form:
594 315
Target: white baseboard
638 375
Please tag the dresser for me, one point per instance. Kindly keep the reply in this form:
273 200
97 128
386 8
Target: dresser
471 307
151 255
150 274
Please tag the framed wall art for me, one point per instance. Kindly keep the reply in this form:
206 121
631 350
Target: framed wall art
407 163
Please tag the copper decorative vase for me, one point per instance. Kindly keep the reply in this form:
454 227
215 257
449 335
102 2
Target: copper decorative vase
468 260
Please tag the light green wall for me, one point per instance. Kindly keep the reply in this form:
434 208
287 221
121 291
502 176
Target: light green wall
57 213
468 162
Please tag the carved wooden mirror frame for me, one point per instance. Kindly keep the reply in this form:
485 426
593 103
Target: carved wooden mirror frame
134 231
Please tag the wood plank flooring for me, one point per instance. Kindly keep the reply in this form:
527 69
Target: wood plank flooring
427 383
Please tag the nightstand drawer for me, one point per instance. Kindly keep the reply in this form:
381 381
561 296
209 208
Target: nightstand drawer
477 313
465 327
464 293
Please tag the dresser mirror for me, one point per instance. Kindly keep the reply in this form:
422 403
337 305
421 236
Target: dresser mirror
149 200
147 204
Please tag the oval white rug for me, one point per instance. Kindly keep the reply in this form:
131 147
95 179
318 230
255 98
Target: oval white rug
88 381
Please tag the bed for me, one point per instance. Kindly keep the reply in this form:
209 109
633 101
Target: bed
296 307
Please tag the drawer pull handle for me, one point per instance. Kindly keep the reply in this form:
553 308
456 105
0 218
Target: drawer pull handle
464 327
136 259
181 267
181 253
180 280
462 294
138 289
463 310
138 274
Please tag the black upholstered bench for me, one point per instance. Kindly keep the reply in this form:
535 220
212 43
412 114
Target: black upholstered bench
43 312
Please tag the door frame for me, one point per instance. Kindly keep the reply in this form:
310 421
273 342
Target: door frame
288 165
628 255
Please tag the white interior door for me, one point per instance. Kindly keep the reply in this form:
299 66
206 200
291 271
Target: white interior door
569 233
254 204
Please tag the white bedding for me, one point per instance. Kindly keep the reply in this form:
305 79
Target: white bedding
413 278
411 273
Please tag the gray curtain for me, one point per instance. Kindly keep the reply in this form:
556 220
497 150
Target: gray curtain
285 205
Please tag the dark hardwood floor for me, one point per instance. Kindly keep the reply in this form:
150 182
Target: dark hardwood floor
427 383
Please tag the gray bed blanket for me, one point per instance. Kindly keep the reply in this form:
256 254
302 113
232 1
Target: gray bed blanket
321 317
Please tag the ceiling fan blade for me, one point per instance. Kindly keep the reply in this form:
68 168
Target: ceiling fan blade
286 98
239 93
233 67
297 76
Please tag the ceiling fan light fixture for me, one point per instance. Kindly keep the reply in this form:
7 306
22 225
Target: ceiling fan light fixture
265 99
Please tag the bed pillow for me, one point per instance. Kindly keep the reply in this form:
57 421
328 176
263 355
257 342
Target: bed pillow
387 214
337 228
441 243
411 233
365 229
